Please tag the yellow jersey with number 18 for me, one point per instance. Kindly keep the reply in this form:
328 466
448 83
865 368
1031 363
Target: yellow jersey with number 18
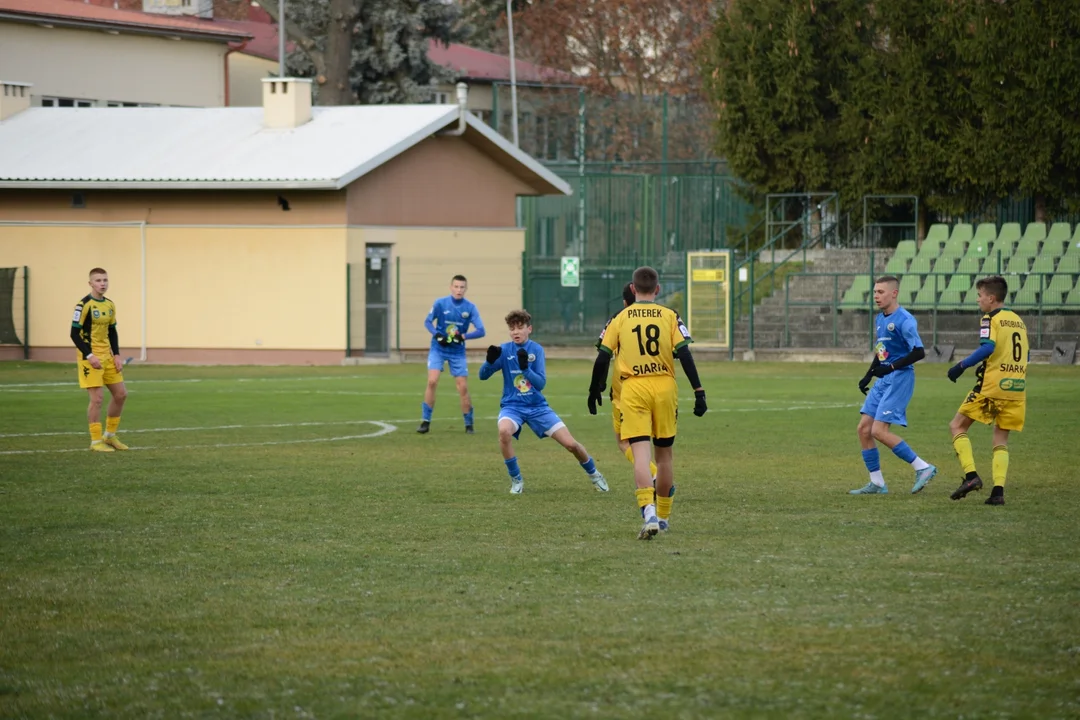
644 338
1003 375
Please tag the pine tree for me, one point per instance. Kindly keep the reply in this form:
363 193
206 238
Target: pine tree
369 51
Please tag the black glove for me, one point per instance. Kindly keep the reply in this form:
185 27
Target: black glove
699 403
523 358
493 353
956 371
457 339
596 399
864 384
882 370
441 339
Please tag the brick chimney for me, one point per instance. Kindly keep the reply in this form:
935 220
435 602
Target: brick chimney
286 102
14 97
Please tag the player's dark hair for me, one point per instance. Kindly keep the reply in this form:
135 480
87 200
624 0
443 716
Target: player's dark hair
628 294
646 280
459 277
518 318
994 285
97 271
888 279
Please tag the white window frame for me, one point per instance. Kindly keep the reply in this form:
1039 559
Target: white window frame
75 102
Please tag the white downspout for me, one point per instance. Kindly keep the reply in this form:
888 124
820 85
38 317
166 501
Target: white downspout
462 101
142 232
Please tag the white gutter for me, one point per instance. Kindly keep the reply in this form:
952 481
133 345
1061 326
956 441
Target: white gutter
142 233
463 112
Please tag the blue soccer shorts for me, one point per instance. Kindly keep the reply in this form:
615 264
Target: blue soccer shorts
887 401
458 366
542 420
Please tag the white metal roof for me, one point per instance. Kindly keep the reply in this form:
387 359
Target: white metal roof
203 148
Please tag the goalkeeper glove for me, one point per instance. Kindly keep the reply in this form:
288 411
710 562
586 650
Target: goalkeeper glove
956 371
441 339
864 384
595 399
699 403
493 353
882 370
523 358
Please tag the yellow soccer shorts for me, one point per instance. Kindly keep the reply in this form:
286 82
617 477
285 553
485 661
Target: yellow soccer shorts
107 375
616 415
649 407
1006 414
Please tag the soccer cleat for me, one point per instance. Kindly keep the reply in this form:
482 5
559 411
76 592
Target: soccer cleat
100 446
649 529
468 429
870 489
114 442
599 482
995 500
922 477
967 486
424 427
663 524
517 484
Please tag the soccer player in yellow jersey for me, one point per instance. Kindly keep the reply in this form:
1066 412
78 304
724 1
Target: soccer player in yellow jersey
93 330
616 391
645 339
998 397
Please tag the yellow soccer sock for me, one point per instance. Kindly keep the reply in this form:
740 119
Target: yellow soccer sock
1001 464
630 456
95 432
663 507
644 496
962 446
112 424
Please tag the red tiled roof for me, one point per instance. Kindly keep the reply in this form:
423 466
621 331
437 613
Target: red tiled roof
264 37
473 64
107 17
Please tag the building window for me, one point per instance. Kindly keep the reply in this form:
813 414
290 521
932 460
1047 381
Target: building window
118 103
65 102
440 98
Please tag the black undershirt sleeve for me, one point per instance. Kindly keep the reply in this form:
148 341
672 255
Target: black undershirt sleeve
114 340
688 366
911 358
600 371
76 337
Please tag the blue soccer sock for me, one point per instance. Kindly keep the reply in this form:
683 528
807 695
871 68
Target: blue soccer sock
589 466
469 417
426 409
904 452
512 467
872 460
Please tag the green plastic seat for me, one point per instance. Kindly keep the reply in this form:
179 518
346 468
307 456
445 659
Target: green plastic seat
938 233
1074 243
855 297
897 265
925 299
1072 300
1018 265
959 284
920 265
969 265
1027 297
1060 232
1009 233
945 266
1060 286
961 233
985 232
906 249
994 265
909 285
953 250
1033 236
1043 264
1069 264
972 296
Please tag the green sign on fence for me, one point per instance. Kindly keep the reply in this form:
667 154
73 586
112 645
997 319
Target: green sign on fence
570 270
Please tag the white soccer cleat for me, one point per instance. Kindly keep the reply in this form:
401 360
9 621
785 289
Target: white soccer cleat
649 529
599 482
517 484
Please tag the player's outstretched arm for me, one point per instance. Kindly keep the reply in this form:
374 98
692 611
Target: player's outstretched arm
478 330
883 369
599 379
984 351
489 368
686 359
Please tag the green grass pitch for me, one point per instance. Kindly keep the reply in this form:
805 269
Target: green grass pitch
280 543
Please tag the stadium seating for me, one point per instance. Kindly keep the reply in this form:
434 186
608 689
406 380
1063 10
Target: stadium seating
1041 265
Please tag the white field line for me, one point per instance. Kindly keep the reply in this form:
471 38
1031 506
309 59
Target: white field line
209 428
383 429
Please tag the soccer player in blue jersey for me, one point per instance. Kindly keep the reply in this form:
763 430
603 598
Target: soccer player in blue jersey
521 362
898 348
448 322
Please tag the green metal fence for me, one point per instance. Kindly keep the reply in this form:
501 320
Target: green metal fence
614 223
15 308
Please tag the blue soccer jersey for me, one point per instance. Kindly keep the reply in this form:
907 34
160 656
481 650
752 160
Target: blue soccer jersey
452 317
521 388
897 335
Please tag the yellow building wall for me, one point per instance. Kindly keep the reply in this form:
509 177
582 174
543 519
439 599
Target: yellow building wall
206 287
245 79
60 258
247 288
429 258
